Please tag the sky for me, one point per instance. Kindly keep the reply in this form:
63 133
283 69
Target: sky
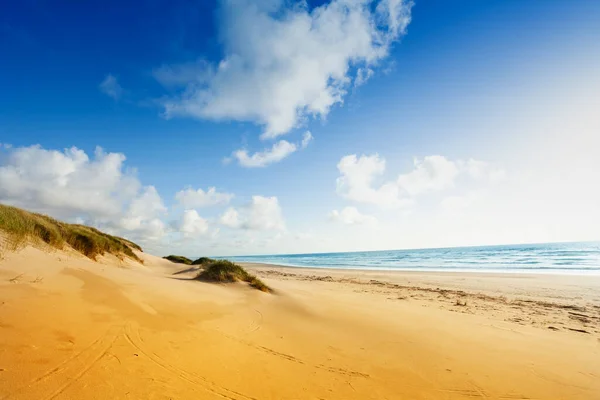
237 127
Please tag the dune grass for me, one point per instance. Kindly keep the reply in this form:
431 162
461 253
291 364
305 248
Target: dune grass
203 261
184 260
225 271
178 259
22 226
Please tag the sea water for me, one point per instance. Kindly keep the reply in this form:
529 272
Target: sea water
559 258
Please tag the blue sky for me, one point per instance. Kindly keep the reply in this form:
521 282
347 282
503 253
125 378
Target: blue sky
474 113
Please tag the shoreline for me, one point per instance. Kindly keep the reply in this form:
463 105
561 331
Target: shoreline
391 270
583 287
554 302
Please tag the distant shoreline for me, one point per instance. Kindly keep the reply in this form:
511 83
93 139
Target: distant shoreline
577 258
519 272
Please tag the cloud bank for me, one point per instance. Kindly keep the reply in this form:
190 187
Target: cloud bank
99 190
433 173
71 185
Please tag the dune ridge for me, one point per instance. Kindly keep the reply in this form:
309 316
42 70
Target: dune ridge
21 227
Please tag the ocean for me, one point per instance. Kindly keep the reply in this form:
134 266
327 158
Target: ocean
555 258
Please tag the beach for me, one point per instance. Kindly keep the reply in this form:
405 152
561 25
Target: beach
72 328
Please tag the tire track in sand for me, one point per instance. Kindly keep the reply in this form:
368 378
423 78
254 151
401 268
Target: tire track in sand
58 379
291 358
132 335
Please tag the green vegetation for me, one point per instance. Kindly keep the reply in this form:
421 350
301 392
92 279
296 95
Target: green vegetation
178 259
187 261
22 226
203 261
226 271
129 243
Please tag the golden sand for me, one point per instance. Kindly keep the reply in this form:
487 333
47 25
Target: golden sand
71 328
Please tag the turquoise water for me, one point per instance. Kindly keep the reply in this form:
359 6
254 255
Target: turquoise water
560 258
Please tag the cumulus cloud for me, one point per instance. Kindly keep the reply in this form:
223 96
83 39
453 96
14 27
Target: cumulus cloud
278 152
141 217
192 224
110 87
431 174
230 218
285 62
190 198
70 185
356 182
351 216
264 214
261 214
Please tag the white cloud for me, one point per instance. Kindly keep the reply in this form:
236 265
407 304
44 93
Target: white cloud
264 214
356 182
190 198
284 63
278 152
481 170
261 214
306 139
433 173
71 185
230 218
351 216
141 217
110 87
147 204
192 225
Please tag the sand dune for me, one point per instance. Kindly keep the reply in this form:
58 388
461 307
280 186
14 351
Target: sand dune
71 328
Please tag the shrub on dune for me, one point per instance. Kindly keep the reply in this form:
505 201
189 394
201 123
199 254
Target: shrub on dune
203 261
178 259
258 284
226 272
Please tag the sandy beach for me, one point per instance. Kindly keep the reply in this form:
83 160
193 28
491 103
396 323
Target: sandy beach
71 328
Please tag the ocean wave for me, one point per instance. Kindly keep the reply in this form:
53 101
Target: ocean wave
549 258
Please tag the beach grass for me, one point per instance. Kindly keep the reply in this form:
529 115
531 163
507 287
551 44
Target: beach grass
178 259
21 227
203 261
226 272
